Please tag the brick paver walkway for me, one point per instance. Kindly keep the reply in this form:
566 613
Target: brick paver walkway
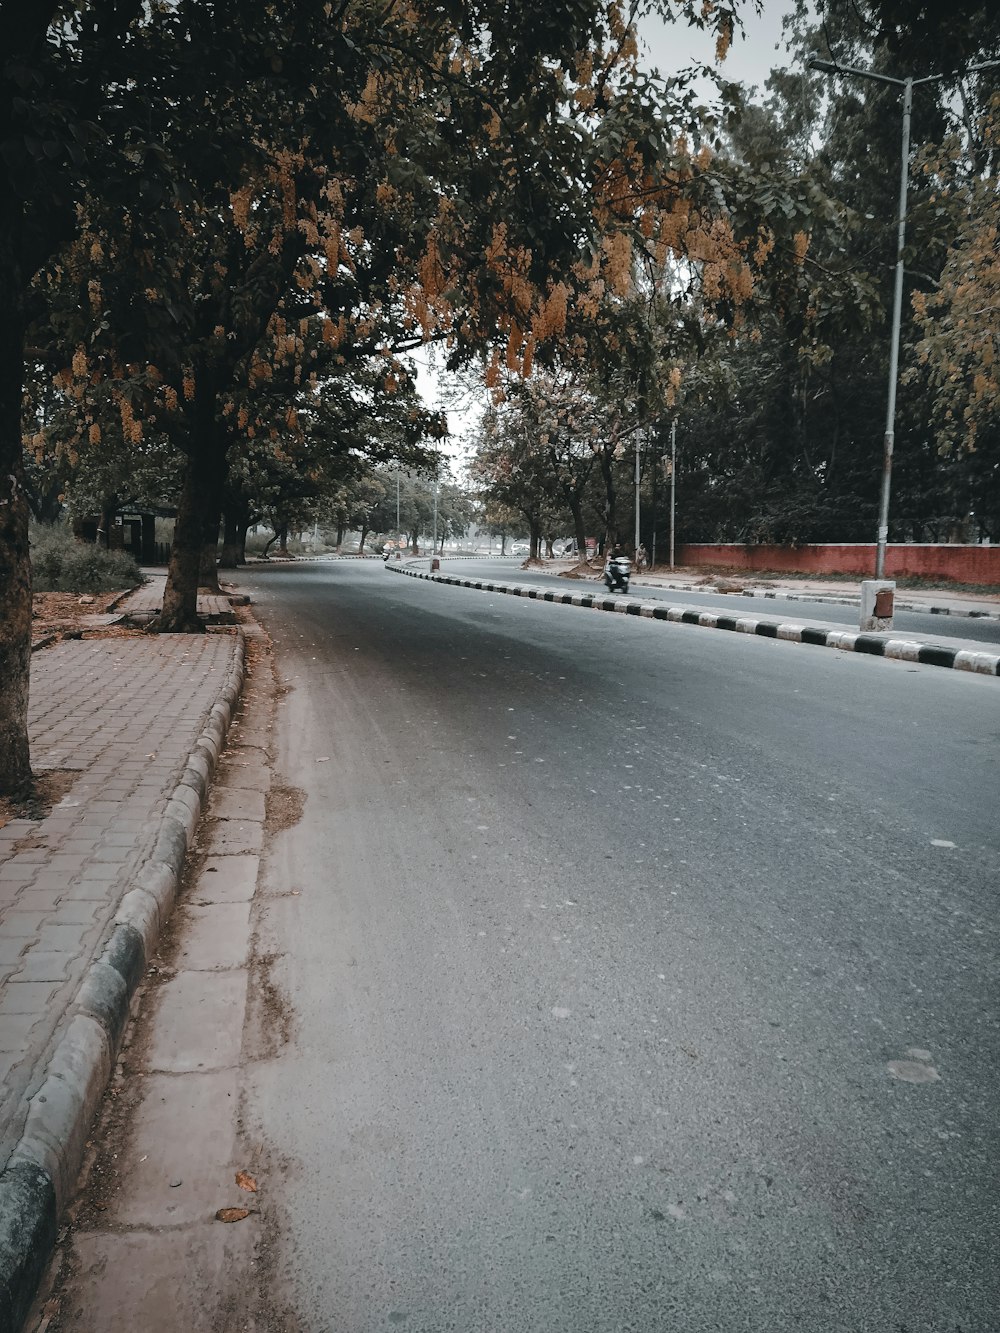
124 714
147 601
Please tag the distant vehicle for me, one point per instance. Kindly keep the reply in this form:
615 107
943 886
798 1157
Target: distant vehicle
520 548
617 572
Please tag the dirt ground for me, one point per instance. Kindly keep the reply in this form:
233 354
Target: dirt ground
67 614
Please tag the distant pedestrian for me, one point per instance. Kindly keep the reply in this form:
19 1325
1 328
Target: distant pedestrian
641 558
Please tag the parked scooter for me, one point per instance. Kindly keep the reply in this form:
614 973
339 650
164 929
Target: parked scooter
617 571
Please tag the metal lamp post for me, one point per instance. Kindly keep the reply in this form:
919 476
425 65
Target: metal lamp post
673 484
907 85
638 474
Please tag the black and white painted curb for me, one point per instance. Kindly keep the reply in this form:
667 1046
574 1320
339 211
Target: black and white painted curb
38 1180
878 645
828 599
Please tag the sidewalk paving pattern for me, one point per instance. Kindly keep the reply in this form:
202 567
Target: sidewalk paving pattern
141 721
145 602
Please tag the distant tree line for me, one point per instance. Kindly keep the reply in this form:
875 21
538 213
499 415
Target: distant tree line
780 410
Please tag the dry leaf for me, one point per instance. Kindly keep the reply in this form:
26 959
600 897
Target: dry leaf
232 1214
246 1182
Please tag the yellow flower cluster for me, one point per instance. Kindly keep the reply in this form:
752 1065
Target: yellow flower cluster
131 428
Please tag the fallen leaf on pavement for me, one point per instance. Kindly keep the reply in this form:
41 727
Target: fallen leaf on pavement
232 1214
246 1182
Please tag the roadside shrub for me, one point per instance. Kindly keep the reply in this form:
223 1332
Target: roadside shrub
61 562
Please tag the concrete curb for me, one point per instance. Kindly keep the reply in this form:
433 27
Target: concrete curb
789 595
329 555
123 596
907 650
38 1180
780 594
827 599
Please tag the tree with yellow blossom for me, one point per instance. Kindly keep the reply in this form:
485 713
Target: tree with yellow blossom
479 175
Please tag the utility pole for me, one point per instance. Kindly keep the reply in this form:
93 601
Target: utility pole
635 546
655 474
673 484
888 439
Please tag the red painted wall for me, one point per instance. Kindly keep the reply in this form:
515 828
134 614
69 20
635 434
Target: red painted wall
958 564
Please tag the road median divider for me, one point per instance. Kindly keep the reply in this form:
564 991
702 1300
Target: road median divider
820 636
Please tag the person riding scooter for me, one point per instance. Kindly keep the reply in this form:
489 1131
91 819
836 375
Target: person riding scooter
617 570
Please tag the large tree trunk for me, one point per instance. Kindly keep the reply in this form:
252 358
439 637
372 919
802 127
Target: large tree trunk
180 597
364 538
610 506
109 508
208 575
534 539
15 565
579 531
204 477
208 572
230 556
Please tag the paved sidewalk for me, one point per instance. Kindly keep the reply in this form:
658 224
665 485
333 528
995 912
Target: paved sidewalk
145 603
138 723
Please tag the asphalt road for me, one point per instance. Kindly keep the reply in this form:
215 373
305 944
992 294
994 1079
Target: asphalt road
981 629
635 977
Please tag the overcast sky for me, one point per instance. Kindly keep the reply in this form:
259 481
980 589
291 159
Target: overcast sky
670 47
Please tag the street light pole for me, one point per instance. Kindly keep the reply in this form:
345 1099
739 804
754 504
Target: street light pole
635 545
673 483
888 439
